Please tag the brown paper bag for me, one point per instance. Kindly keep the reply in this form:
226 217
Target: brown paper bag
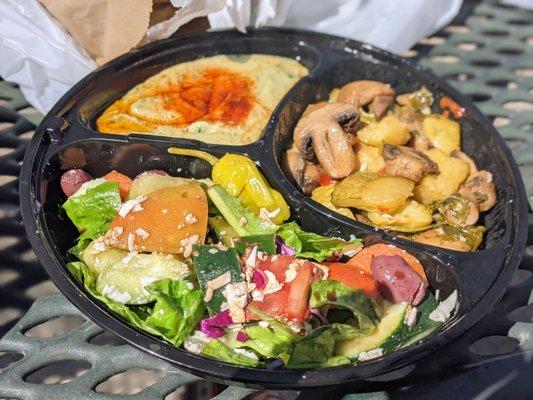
107 28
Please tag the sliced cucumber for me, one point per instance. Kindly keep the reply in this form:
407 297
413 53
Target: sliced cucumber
210 262
97 261
386 335
424 325
266 243
241 220
223 230
125 281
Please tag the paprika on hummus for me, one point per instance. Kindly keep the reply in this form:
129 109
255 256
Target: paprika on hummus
224 99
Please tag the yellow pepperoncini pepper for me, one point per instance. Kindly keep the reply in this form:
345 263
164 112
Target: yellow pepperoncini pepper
241 178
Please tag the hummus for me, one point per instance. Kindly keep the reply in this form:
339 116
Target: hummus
225 99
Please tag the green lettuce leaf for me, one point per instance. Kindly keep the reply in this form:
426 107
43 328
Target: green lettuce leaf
177 309
317 349
309 244
338 294
269 341
92 211
220 351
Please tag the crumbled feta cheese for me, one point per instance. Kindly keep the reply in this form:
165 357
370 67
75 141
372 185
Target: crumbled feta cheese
131 242
213 251
251 259
257 295
196 342
189 285
437 294
190 219
272 285
221 246
290 275
274 258
129 205
300 327
237 297
112 235
243 221
142 233
219 281
187 243
99 246
263 324
208 295
369 355
247 353
265 214
410 318
444 309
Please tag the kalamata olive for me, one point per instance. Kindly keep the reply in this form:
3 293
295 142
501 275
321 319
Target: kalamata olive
151 172
397 281
72 180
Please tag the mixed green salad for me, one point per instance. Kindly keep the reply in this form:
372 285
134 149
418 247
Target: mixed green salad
218 267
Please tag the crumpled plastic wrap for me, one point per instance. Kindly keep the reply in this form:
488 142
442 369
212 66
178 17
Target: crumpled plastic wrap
45 60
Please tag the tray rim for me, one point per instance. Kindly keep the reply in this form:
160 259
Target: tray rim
293 378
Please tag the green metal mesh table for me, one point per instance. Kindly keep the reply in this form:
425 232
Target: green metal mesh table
54 352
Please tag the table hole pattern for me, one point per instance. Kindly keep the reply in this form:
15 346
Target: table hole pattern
494 345
489 58
58 372
126 383
55 327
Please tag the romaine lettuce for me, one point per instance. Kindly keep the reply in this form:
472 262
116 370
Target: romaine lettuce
317 349
175 313
338 294
92 212
220 351
309 244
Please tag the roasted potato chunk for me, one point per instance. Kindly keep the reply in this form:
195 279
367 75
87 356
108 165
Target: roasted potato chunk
372 192
388 130
411 217
322 195
370 158
433 188
444 133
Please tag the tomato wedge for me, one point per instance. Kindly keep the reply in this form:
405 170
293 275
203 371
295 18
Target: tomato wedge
292 300
353 277
363 259
124 183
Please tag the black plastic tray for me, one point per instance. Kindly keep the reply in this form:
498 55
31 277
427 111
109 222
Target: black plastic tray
66 139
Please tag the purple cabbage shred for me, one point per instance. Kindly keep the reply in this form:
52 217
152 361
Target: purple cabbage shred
212 326
282 248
